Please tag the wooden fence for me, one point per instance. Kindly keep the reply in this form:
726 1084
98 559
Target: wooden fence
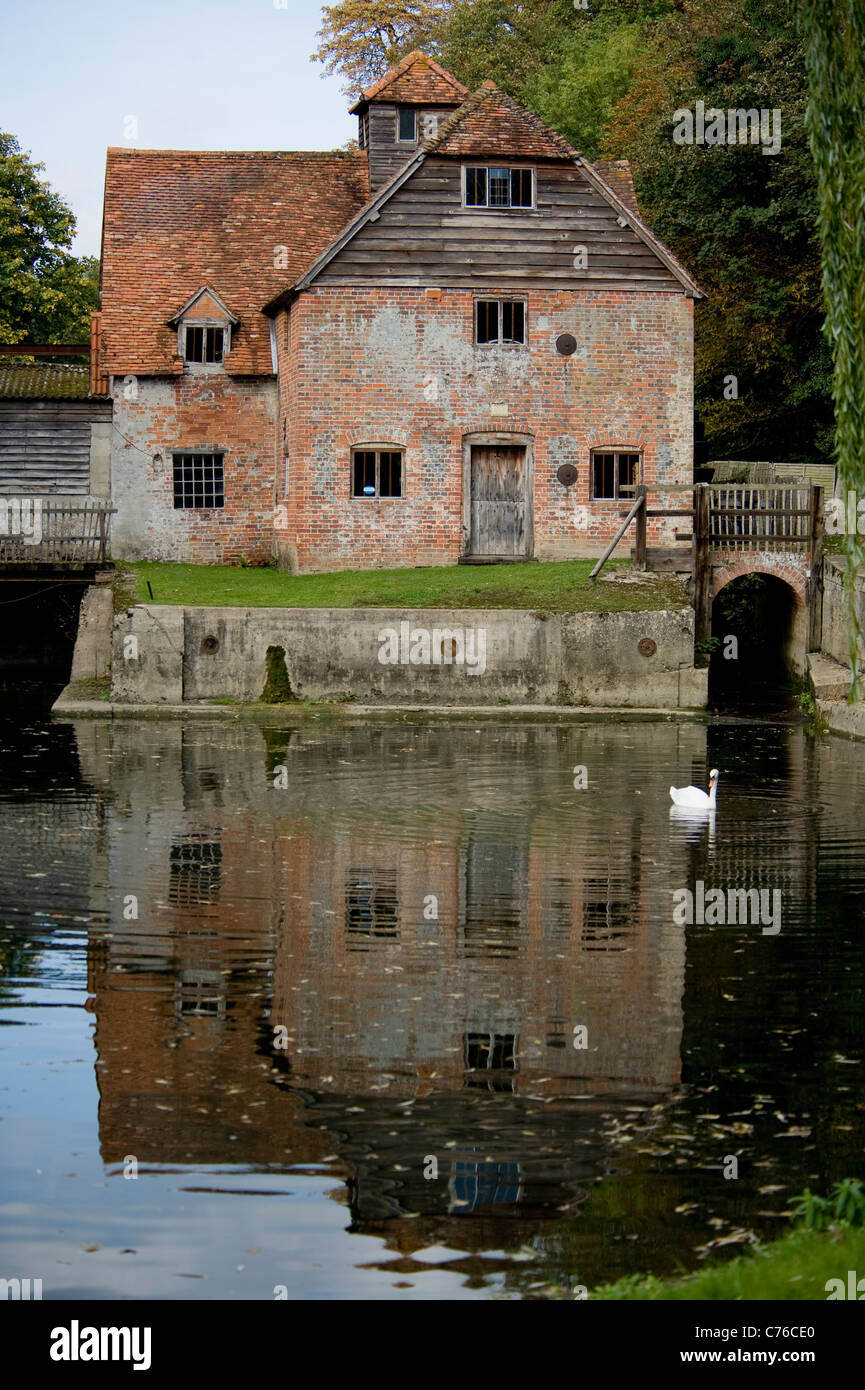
740 519
760 518
751 519
41 530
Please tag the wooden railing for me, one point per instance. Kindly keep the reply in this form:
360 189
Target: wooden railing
638 514
760 518
739 519
756 518
42 530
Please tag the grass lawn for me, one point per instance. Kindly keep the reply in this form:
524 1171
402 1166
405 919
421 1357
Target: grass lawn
798 1266
562 587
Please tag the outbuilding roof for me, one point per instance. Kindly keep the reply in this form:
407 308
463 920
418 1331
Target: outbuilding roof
63 381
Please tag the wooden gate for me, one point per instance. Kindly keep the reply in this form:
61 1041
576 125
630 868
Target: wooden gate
499 502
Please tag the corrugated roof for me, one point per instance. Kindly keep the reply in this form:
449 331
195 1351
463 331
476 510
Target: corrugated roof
176 220
62 381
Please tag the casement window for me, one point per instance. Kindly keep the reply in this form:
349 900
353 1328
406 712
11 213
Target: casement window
202 343
377 473
492 187
614 475
500 321
204 325
199 480
407 125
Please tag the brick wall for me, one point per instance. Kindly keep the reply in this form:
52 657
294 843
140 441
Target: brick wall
398 365
155 416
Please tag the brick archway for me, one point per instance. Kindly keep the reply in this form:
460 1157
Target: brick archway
792 569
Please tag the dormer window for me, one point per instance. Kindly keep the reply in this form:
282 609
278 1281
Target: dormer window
203 344
407 125
489 186
204 326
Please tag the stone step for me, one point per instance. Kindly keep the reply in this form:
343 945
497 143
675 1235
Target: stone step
830 680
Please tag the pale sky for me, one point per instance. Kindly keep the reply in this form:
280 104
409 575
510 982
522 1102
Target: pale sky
194 74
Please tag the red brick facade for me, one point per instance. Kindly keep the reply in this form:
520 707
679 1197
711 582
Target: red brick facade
345 322
213 411
399 366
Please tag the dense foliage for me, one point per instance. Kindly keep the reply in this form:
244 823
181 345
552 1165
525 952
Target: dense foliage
834 33
46 293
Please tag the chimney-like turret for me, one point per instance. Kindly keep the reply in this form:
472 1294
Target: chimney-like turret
402 110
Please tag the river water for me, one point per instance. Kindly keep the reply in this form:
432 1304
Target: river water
397 1010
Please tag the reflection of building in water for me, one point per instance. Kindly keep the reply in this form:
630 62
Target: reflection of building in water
429 929
528 943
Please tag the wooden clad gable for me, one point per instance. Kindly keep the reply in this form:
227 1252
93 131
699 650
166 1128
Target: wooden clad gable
581 232
425 236
385 152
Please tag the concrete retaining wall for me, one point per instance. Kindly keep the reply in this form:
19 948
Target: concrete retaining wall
835 610
166 655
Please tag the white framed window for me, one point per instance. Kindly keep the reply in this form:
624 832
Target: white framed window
203 343
502 321
497 186
204 337
406 125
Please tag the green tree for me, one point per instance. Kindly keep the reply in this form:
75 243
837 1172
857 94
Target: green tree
568 64
506 40
46 293
743 222
834 34
363 38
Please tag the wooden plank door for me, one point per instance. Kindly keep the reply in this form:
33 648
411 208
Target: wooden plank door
499 501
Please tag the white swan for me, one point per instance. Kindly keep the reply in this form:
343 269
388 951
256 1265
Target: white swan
695 797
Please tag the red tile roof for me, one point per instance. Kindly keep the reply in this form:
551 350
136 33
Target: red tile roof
617 175
176 220
418 80
491 123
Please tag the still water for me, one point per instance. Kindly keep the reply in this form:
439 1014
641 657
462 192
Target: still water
302 1009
